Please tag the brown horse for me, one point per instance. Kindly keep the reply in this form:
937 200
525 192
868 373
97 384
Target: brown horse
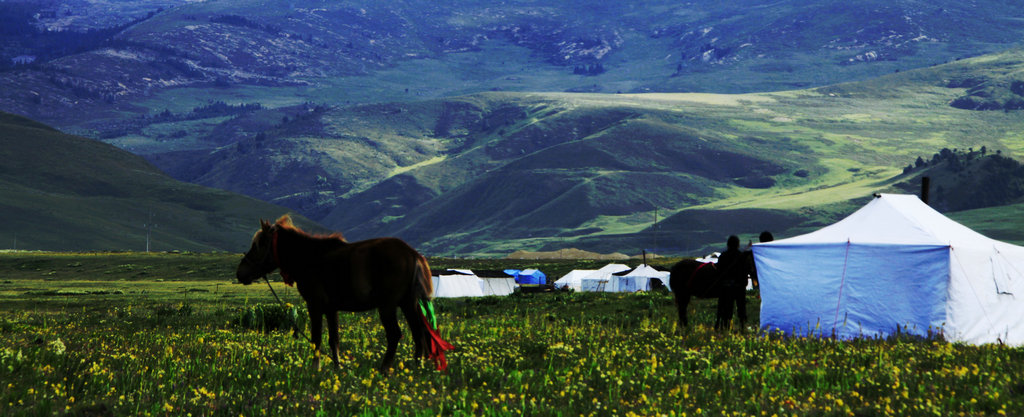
691 278
334 275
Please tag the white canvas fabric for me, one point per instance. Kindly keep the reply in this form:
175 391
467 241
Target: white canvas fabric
593 285
461 271
603 279
626 283
649 273
599 278
499 286
574 279
458 285
895 262
710 258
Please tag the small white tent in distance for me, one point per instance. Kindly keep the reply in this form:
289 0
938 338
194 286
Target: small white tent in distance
574 279
458 283
602 279
895 265
639 279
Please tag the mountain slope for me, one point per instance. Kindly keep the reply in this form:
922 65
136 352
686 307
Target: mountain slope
491 172
63 192
419 119
365 51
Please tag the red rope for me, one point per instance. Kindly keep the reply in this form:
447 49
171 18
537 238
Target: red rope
437 346
842 283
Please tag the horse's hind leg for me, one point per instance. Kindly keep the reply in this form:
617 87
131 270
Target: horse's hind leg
415 320
389 318
316 325
682 302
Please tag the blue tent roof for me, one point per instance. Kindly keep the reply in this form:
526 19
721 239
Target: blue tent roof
529 276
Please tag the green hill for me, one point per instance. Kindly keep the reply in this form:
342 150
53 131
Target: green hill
492 173
63 192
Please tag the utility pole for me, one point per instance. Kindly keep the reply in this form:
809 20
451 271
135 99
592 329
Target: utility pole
654 229
149 229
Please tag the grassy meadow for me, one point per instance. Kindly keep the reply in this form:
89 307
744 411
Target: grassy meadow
168 334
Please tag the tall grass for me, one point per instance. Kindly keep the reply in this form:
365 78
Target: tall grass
529 354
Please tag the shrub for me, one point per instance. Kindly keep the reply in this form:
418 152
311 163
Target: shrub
183 310
269 317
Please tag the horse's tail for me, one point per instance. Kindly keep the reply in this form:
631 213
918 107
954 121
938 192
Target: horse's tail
424 288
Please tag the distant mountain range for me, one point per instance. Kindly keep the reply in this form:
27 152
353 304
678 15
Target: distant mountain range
481 128
136 57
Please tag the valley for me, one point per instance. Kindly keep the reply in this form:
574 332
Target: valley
474 129
539 170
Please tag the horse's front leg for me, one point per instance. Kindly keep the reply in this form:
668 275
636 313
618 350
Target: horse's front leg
332 335
316 325
389 319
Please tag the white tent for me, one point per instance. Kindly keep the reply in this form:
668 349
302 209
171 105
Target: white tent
638 279
603 279
499 286
626 283
465 283
458 284
644 273
573 280
710 258
592 283
895 262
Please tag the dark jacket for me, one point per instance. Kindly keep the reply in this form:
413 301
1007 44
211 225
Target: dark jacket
731 272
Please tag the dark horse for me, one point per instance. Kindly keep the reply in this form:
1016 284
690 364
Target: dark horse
691 278
334 275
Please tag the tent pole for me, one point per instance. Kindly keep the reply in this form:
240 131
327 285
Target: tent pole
925 185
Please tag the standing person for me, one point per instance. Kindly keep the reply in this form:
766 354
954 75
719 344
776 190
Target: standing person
732 278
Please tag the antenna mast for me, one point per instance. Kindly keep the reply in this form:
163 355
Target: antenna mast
149 229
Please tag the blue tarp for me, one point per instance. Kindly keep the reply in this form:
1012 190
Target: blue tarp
528 276
852 290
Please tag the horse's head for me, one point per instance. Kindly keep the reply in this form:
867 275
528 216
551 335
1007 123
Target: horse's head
259 260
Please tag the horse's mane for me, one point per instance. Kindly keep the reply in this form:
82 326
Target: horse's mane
285 222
